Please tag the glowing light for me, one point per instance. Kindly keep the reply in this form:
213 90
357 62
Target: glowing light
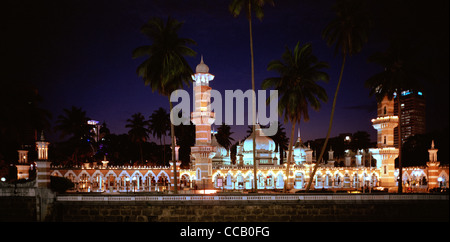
207 191
92 122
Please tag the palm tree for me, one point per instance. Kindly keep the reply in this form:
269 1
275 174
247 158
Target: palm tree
224 136
20 113
256 6
400 73
74 123
166 69
348 31
280 140
159 125
138 132
297 86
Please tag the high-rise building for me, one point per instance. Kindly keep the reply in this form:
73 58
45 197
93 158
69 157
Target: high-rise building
413 115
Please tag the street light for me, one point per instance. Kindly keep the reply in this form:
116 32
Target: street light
440 182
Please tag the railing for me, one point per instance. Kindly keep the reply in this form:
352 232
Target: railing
181 198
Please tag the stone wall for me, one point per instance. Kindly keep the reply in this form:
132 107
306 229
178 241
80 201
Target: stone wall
232 211
18 209
18 205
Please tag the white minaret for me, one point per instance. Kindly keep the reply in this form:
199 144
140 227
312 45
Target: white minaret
385 153
202 117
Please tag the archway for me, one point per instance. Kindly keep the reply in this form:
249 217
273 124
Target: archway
299 180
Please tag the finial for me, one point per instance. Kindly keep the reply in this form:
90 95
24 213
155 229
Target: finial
42 135
432 144
201 60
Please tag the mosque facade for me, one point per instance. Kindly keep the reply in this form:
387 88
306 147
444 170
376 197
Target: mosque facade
211 167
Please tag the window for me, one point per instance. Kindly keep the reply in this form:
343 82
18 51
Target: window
384 112
384 141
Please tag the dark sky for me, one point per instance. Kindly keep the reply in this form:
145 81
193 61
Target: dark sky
78 53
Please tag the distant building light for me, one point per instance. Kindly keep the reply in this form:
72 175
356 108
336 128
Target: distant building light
92 122
419 93
404 93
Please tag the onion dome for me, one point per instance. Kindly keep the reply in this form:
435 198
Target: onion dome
221 151
202 67
263 143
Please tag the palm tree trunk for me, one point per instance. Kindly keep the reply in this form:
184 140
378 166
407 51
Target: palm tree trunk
400 170
140 150
172 134
164 139
289 158
329 126
163 149
253 93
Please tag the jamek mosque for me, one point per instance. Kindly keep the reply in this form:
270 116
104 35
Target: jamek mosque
211 168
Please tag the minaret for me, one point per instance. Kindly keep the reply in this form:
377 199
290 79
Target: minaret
43 165
433 167
385 153
202 118
23 167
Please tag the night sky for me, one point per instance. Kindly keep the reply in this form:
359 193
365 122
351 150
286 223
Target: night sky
78 53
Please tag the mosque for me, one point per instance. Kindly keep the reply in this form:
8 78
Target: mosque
211 167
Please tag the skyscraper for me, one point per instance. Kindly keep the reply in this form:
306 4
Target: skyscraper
413 115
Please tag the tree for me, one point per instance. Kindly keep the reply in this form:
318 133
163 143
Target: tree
166 69
250 6
138 132
280 139
74 124
400 73
185 139
360 140
349 32
159 125
223 136
297 87
21 117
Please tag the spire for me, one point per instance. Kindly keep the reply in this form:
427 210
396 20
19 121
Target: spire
298 135
202 67
42 135
432 144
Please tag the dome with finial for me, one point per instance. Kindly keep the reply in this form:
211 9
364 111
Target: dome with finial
263 143
202 67
221 151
